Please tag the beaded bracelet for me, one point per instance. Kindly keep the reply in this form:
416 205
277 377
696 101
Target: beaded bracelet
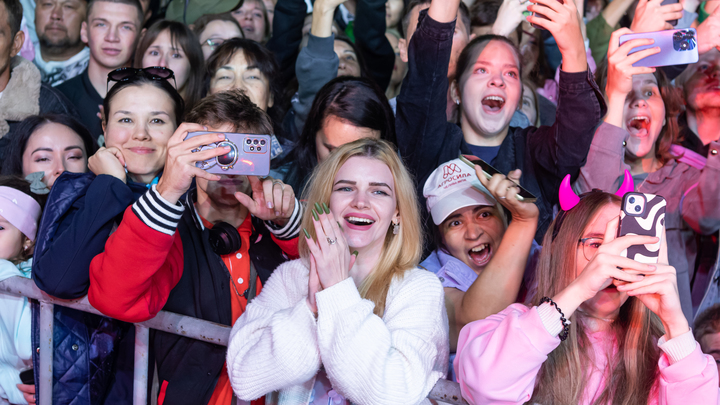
566 324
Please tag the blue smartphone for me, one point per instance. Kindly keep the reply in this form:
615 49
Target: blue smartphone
677 47
249 154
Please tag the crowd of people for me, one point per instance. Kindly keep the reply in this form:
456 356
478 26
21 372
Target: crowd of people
376 258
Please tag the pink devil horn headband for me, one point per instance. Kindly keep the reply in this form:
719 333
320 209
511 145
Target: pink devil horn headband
627 185
568 198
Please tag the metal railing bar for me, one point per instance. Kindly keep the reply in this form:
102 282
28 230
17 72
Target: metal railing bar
45 373
186 326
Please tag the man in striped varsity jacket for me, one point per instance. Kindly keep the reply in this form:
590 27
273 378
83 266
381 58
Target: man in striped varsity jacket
202 251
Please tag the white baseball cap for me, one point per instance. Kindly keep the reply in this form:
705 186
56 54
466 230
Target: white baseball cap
454 185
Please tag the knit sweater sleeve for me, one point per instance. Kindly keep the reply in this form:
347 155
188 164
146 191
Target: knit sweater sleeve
394 359
273 345
687 376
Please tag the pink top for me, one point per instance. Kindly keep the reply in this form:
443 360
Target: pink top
498 359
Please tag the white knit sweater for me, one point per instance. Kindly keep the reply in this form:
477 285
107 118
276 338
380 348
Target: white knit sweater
277 345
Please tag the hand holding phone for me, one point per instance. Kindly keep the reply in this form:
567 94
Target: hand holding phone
248 154
656 15
489 171
677 47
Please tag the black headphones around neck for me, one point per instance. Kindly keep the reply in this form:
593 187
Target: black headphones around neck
224 238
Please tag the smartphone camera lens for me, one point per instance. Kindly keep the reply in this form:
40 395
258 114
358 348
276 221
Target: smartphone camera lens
248 141
228 159
631 200
637 208
252 148
255 141
684 40
258 149
262 142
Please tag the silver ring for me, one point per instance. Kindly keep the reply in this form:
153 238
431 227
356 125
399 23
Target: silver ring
502 197
331 241
279 182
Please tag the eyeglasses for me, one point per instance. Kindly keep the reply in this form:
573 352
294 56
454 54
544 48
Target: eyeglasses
213 43
152 73
590 246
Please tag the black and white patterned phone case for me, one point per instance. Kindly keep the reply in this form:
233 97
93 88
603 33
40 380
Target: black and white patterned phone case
650 221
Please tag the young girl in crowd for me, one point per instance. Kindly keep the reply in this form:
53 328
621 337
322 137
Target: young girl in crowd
253 18
48 144
142 110
345 110
342 327
638 135
173 45
480 260
602 329
488 90
19 216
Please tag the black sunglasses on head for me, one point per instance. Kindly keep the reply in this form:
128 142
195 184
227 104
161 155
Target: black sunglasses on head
128 73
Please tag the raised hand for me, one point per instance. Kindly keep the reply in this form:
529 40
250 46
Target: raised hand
606 267
708 33
330 252
108 161
271 200
563 22
651 15
323 12
509 16
180 166
504 189
621 70
659 292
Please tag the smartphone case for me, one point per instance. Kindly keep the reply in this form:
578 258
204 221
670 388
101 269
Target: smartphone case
249 155
677 47
650 222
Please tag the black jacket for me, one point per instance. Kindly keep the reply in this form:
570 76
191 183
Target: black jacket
545 155
192 367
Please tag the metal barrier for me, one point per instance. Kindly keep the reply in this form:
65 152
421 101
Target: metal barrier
186 326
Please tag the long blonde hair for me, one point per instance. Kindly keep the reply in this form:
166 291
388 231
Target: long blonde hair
631 374
401 252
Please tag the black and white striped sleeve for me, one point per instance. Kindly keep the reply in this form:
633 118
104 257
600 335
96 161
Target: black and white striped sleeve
157 213
292 229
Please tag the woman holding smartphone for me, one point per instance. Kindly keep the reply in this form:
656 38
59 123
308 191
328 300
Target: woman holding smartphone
602 329
638 135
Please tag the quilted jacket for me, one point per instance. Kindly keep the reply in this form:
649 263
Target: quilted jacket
93 355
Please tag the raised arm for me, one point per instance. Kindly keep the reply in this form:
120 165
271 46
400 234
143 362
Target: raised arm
394 359
273 345
317 63
287 35
425 139
372 42
499 283
562 148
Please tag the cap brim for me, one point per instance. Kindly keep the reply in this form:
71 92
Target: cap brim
452 202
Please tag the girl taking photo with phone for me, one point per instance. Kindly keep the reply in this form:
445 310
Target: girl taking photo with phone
602 329
638 135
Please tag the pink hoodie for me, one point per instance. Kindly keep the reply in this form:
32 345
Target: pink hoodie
498 359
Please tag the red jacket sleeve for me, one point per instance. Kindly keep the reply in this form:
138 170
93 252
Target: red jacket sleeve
132 279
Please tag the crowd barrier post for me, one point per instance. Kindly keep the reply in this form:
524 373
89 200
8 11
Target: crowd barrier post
186 326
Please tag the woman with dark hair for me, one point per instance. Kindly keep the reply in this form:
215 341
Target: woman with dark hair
214 29
173 45
602 329
345 110
638 135
244 64
141 112
253 18
51 144
488 90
